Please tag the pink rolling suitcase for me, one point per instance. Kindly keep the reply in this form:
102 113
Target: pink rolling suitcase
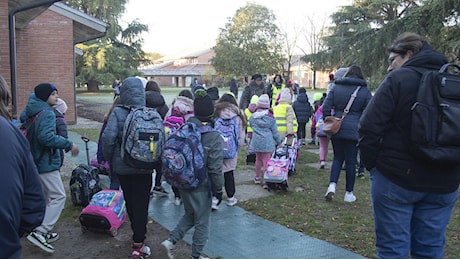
105 212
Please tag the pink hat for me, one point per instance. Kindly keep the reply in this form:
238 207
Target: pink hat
263 102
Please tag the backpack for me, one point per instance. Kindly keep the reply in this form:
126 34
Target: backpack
228 129
435 125
143 138
28 130
183 157
174 121
84 183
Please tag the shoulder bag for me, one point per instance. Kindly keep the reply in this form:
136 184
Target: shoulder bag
332 124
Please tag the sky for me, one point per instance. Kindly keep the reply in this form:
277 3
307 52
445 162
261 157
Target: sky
178 25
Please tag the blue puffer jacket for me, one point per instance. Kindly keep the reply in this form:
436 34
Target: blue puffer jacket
302 108
338 98
131 94
45 137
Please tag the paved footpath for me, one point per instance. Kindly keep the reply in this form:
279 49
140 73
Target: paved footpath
236 233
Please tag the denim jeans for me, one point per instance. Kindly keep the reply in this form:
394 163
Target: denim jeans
409 223
344 151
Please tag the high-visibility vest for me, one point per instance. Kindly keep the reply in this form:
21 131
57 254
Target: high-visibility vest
248 115
275 92
280 112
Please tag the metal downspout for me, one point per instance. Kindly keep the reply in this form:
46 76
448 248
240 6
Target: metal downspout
12 33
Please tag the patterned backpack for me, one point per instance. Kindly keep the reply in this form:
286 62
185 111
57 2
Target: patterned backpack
183 157
228 129
143 138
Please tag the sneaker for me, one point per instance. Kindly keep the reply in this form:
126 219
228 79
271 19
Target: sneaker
330 192
177 201
360 175
140 252
159 191
349 197
256 180
169 247
265 186
312 143
232 201
51 237
322 164
39 240
214 205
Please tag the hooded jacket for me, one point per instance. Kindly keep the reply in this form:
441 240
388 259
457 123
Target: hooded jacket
385 130
338 98
46 142
265 135
132 94
302 108
155 100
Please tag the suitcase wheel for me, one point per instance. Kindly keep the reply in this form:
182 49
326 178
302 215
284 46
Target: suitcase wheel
113 232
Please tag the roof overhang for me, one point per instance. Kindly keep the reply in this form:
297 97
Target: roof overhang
85 27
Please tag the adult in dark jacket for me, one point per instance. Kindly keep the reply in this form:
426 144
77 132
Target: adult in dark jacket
412 198
344 143
45 151
154 99
23 200
135 183
22 206
303 111
255 87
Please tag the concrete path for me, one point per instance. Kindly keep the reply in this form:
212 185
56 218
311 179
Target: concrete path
235 233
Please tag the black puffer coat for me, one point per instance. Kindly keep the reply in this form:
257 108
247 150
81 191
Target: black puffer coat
155 100
302 108
385 130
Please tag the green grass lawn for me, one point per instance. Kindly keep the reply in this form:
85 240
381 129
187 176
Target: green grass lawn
303 208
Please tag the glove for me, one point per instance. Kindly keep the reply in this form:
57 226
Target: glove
219 197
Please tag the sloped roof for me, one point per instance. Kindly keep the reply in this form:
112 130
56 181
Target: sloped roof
185 70
85 27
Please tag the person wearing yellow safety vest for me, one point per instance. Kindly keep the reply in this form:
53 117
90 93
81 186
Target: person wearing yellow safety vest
285 115
250 153
276 88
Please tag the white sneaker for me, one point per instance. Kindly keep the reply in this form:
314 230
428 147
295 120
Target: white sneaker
330 191
322 164
232 201
169 247
177 201
214 205
349 197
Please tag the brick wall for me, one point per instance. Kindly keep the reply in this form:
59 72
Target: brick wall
45 53
4 43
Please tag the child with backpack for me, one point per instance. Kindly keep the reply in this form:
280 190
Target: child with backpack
230 123
135 182
323 138
265 135
181 111
197 201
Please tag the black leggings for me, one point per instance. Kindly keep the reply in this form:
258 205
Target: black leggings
136 191
301 130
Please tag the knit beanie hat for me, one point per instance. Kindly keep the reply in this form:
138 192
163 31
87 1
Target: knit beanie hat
203 106
61 106
264 101
44 90
254 99
285 95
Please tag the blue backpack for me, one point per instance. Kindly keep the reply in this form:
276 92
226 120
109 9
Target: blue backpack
183 157
143 138
228 129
